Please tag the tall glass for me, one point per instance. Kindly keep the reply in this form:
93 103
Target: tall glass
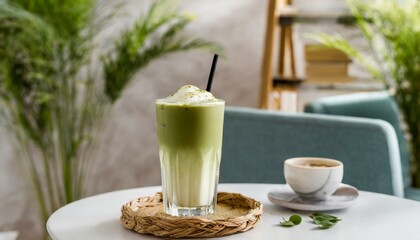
190 147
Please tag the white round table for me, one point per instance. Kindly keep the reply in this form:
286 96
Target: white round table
373 216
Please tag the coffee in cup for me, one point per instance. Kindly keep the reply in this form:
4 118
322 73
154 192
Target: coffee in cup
313 178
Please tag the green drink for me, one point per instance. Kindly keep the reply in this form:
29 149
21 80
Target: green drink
190 129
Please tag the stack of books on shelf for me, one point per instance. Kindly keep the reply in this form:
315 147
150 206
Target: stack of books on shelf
326 65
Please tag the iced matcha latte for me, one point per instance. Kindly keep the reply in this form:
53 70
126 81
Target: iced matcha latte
190 128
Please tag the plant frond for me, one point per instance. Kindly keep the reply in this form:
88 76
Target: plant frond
392 30
160 32
68 17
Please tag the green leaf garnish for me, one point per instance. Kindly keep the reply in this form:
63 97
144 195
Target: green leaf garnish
325 224
287 224
293 220
324 221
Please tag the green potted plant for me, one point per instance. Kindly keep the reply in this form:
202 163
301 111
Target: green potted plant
55 99
391 29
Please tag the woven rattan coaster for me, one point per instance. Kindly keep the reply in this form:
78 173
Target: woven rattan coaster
234 213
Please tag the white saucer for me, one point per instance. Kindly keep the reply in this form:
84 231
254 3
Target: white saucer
344 197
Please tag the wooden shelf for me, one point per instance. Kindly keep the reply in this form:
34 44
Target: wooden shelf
282 81
280 18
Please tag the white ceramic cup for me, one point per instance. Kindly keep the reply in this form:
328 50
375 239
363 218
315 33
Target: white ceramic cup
313 178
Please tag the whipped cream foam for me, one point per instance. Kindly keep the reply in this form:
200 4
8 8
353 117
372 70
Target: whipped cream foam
190 94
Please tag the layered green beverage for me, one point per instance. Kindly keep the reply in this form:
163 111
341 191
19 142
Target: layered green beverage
190 129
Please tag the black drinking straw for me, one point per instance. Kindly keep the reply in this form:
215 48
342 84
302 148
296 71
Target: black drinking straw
212 70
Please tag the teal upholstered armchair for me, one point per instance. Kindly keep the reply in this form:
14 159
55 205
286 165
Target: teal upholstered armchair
256 143
374 105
